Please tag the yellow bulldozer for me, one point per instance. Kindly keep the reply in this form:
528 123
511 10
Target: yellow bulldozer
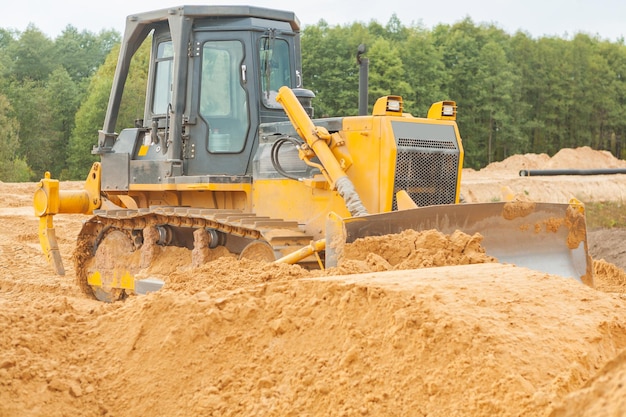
228 154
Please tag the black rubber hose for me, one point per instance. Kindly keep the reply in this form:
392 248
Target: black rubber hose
547 172
275 153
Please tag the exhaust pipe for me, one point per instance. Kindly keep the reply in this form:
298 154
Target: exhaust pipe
364 64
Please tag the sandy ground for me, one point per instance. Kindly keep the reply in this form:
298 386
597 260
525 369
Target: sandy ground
236 338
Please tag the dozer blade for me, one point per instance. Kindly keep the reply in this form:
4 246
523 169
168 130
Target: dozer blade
546 237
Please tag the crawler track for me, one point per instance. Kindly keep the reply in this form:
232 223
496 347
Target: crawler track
235 230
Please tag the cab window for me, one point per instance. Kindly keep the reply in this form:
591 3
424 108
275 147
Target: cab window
275 69
163 78
223 100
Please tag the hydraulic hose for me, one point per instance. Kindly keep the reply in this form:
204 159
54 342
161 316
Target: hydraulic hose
333 171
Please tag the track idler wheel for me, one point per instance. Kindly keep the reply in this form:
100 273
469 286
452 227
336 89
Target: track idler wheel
258 251
110 271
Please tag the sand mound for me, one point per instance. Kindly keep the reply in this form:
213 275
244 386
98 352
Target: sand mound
609 277
603 395
486 185
352 346
397 342
407 250
464 337
517 162
583 158
410 250
578 158
250 338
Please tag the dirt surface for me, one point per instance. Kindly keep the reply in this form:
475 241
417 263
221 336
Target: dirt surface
461 335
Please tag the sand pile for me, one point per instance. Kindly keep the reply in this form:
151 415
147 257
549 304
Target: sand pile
486 185
407 250
243 338
609 277
583 158
492 340
517 162
411 250
248 338
578 158
602 395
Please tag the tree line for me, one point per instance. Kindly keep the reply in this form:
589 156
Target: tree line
515 93
43 83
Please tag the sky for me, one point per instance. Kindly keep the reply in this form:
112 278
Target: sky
562 18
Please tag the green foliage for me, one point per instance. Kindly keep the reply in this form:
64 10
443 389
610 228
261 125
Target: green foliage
515 94
12 167
329 67
33 56
28 99
606 214
134 97
90 116
83 52
387 74
423 71
44 82
63 97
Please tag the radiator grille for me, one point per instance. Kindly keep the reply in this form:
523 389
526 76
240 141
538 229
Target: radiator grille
427 170
426 143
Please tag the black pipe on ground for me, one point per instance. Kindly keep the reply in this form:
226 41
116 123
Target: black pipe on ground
544 172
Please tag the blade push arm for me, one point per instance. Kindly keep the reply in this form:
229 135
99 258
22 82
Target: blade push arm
317 139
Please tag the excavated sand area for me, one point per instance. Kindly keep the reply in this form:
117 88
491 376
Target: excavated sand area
485 185
442 330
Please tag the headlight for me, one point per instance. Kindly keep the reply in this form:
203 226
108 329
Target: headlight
447 110
393 105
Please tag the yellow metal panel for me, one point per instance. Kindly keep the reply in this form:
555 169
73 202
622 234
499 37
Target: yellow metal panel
46 198
374 153
127 281
436 110
49 245
121 279
153 187
194 195
95 279
191 187
292 200
218 199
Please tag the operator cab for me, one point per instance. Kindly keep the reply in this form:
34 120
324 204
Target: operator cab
213 78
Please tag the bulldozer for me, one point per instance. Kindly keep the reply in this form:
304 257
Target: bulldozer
229 154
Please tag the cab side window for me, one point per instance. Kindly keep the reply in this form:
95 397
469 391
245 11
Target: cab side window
162 94
275 69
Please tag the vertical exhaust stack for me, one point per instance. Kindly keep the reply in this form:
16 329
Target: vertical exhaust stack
364 64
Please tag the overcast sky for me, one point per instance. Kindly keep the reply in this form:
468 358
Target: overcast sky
563 18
